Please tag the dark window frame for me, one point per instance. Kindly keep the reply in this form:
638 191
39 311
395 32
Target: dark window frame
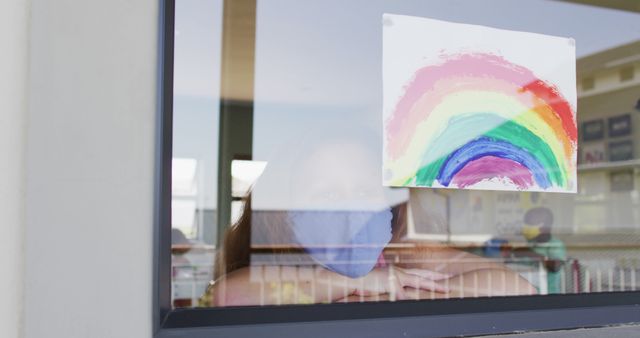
472 316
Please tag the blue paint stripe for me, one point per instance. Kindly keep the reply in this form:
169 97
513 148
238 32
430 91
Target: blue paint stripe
486 146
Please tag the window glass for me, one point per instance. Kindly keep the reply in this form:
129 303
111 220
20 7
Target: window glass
309 219
195 147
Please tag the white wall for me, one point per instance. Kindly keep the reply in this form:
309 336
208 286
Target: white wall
90 168
14 30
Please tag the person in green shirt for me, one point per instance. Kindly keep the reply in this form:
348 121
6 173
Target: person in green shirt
543 246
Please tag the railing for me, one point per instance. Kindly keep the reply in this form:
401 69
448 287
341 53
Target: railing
282 281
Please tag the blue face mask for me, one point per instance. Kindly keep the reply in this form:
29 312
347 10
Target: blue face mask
346 242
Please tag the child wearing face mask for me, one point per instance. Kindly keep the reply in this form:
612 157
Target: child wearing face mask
542 246
349 266
344 251
338 221
552 251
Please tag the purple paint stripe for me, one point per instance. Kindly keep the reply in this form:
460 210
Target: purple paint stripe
491 167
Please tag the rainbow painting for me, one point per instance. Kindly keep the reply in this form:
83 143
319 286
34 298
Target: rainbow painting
471 111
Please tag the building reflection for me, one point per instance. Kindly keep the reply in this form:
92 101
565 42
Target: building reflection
600 225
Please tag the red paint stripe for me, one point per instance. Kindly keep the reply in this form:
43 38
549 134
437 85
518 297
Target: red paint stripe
557 103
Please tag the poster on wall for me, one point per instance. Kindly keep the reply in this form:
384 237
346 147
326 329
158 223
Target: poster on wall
593 153
622 181
510 208
621 151
593 130
477 107
620 125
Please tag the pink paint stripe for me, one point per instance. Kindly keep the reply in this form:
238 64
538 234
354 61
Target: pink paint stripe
491 167
426 103
465 65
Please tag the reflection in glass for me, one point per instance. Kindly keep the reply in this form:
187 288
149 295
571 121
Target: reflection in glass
317 226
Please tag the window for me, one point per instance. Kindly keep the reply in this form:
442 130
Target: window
626 73
278 213
588 83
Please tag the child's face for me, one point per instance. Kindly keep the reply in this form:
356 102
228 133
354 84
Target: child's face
339 213
339 177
